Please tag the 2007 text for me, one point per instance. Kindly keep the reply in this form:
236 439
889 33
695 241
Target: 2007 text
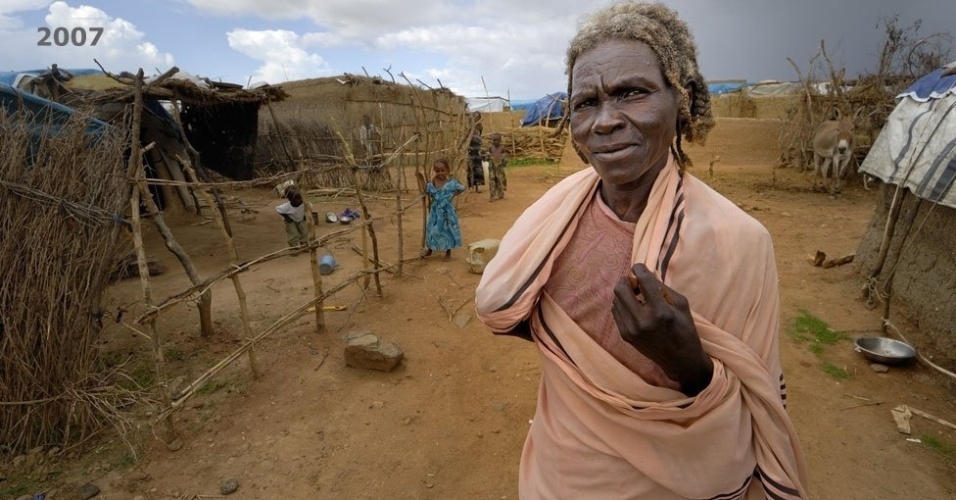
62 37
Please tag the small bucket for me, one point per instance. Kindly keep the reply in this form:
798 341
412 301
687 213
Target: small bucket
326 264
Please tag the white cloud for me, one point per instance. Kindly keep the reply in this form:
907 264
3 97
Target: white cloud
514 46
281 52
353 19
121 47
10 7
521 59
323 40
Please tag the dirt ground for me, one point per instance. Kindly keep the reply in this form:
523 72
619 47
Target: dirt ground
450 422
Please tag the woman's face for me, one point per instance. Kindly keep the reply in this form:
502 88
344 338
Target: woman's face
623 112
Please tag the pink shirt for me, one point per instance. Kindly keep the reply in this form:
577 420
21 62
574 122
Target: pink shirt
582 283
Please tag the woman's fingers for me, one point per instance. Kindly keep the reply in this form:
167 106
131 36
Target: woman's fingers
649 285
655 290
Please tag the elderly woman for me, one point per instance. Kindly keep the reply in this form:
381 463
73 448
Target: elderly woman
651 299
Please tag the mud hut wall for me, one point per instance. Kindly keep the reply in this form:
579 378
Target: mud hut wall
924 282
740 105
313 125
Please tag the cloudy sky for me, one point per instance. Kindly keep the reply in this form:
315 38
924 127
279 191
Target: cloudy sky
516 46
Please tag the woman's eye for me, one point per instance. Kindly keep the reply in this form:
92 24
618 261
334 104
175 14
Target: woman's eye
629 93
584 103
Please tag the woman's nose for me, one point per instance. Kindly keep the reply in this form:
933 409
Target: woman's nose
607 118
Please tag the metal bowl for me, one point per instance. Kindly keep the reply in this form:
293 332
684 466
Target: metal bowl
345 220
885 350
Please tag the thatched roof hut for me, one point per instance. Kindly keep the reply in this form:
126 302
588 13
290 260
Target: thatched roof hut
220 120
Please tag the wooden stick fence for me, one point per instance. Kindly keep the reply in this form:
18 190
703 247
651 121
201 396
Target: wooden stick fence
430 138
201 287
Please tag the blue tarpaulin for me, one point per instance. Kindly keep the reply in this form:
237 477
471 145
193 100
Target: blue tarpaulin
725 87
549 107
10 77
42 113
932 86
43 117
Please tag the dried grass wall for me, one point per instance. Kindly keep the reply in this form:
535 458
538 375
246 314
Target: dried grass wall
56 220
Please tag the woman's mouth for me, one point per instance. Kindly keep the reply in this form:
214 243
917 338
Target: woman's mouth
613 153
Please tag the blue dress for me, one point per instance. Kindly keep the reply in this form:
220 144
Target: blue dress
443 231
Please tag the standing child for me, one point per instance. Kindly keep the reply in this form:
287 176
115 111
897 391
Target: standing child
496 168
293 213
476 173
443 231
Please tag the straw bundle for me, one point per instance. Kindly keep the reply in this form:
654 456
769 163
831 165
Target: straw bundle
59 191
533 142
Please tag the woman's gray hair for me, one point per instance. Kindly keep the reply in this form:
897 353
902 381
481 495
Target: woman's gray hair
669 37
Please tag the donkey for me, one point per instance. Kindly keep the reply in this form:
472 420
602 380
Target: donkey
833 145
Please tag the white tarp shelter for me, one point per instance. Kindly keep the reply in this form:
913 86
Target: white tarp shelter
917 147
487 104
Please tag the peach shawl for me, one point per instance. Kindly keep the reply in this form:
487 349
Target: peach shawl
600 431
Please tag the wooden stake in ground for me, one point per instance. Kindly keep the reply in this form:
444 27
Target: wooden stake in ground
371 230
316 273
205 300
420 177
366 260
233 260
400 212
136 167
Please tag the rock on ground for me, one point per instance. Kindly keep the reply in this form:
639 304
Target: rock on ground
368 351
88 490
229 486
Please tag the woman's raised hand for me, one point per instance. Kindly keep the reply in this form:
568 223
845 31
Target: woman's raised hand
656 320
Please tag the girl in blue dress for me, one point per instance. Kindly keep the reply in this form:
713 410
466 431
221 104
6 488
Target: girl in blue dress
442 232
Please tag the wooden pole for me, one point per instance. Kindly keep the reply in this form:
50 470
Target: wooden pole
891 217
234 261
887 289
366 260
420 177
197 164
136 167
371 231
511 123
205 300
316 274
313 249
398 204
